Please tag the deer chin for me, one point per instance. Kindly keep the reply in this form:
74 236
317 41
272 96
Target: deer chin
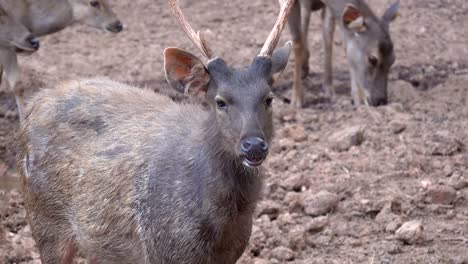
252 163
24 49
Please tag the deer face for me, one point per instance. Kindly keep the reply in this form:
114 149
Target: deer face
370 53
96 13
14 35
240 99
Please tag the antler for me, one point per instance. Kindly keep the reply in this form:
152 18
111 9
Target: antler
272 40
196 38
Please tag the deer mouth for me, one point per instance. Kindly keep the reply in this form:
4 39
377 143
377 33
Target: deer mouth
253 161
24 50
28 47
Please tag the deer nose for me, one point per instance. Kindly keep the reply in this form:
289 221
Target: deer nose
254 144
255 150
34 42
116 27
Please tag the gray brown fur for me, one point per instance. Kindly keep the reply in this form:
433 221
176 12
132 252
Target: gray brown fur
372 39
110 141
129 176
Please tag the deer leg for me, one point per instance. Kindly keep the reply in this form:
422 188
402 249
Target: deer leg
54 250
93 260
53 238
328 30
294 22
1 74
356 92
9 61
306 10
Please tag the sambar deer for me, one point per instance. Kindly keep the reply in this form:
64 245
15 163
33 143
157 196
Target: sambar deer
368 46
129 176
16 37
42 17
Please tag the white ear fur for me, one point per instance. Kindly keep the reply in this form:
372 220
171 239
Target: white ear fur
353 19
358 25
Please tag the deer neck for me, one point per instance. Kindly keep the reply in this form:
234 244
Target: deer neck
235 186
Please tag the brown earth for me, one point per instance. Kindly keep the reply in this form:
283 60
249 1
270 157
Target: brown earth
340 180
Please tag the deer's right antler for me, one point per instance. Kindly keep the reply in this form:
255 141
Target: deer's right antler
272 40
196 37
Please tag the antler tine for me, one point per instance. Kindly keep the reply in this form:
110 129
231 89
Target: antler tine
272 40
197 38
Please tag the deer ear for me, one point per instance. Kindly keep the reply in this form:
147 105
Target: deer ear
353 19
279 58
391 13
185 72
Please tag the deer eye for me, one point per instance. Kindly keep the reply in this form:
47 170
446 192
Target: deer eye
373 60
221 104
269 101
94 4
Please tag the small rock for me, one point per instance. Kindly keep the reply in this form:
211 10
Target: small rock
287 114
283 145
397 127
295 202
394 249
389 212
296 182
411 232
458 183
296 238
347 138
260 261
441 194
282 253
393 225
296 132
317 224
441 144
285 220
320 203
426 184
269 208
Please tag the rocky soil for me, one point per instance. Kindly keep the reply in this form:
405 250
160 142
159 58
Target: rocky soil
343 184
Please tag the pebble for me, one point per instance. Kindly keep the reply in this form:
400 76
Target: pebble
441 194
411 232
347 138
320 203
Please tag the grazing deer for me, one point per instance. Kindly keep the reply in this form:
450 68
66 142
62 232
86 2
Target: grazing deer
129 176
42 17
367 41
14 37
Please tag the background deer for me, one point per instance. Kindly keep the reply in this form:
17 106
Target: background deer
42 17
367 41
14 37
129 176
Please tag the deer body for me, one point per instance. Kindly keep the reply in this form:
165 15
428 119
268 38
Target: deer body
150 182
43 17
129 176
367 41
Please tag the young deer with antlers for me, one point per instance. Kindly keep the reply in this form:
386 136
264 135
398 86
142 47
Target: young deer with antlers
369 48
129 176
43 17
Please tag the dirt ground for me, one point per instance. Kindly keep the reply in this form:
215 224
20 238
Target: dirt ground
342 182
